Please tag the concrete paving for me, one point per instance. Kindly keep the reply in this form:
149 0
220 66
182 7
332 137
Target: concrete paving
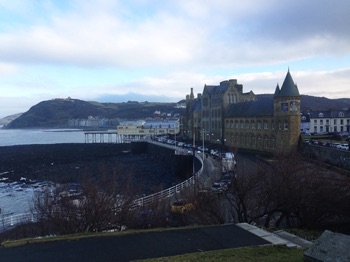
279 237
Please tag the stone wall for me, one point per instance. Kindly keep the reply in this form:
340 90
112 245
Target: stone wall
180 165
332 156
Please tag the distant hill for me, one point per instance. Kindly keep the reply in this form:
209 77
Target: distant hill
318 103
56 112
6 120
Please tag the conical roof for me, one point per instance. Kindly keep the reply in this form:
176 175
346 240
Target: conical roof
277 91
288 87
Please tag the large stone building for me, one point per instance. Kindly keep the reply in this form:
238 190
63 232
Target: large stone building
239 120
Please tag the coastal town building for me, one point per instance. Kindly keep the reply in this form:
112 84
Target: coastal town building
148 128
327 121
225 115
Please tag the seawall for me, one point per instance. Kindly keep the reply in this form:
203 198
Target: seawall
152 165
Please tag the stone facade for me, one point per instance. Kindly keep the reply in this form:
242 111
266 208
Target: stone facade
236 119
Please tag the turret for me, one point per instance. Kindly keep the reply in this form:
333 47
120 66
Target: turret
287 114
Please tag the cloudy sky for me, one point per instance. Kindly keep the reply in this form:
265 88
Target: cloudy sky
149 50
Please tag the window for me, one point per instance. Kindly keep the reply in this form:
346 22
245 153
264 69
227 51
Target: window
265 124
253 141
273 142
320 115
341 114
252 124
259 124
241 123
236 124
247 124
285 126
259 141
273 125
266 142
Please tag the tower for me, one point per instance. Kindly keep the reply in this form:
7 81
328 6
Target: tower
287 115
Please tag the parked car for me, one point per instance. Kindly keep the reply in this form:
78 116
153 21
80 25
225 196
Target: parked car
343 146
181 206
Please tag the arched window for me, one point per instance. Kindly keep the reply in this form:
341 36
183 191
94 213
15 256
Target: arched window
259 142
320 115
247 142
266 142
341 114
252 141
273 142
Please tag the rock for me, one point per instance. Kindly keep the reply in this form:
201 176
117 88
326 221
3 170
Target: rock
329 247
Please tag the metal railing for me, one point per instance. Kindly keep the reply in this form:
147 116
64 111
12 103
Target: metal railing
6 222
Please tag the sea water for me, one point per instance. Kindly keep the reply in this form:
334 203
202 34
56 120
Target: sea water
18 197
10 137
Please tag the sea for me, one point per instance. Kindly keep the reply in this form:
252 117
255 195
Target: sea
18 197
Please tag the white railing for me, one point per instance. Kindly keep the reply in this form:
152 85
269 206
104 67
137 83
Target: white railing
6 222
9 221
169 192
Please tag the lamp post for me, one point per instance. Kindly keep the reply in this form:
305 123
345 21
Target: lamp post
203 146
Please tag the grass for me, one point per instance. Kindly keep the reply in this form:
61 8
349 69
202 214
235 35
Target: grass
25 241
245 254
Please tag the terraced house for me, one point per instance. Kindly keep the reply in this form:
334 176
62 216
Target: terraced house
239 120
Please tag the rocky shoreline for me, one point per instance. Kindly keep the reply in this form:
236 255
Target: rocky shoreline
69 163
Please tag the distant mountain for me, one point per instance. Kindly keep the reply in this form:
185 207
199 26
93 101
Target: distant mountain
56 112
317 103
6 120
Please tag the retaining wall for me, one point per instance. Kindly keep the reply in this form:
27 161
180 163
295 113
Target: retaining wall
328 155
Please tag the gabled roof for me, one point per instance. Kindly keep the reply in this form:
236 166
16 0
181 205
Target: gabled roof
288 87
263 107
209 89
217 90
197 105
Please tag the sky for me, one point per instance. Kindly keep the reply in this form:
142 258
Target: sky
156 50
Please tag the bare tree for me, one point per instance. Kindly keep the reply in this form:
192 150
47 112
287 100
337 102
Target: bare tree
101 204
